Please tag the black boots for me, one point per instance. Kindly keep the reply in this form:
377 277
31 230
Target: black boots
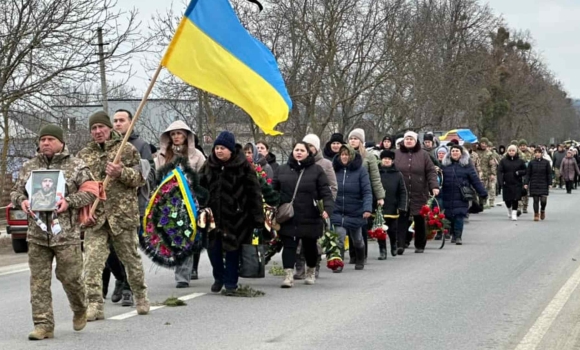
118 292
360 258
196 256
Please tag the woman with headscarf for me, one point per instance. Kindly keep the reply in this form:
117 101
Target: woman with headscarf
511 171
420 178
569 170
305 178
178 141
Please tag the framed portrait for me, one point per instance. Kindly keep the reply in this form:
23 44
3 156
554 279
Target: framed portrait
45 188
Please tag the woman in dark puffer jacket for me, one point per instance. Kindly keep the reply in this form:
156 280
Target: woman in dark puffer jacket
395 200
539 178
354 201
511 171
457 173
306 225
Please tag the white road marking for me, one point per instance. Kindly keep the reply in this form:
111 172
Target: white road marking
134 312
16 268
550 313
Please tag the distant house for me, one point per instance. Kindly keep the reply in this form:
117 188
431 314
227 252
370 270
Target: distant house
22 145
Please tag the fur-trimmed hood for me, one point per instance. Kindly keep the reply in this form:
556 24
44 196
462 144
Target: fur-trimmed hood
463 161
355 160
195 157
415 149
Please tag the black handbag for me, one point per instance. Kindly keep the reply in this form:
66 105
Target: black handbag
252 261
467 193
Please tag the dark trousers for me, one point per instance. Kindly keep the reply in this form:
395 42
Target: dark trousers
456 225
569 186
512 204
227 275
392 223
540 199
403 234
289 253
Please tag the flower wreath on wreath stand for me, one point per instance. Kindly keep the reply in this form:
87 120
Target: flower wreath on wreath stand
435 220
170 232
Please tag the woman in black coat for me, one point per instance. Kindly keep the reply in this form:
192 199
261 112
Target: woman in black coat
511 171
539 178
395 200
307 224
235 198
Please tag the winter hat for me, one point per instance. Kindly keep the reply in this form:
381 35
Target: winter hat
226 139
522 142
454 146
484 140
411 134
428 137
442 149
467 145
453 141
514 142
52 130
388 154
387 137
100 117
359 134
490 144
399 140
512 147
336 137
312 140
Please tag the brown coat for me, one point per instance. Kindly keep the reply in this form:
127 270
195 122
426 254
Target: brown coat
569 169
419 174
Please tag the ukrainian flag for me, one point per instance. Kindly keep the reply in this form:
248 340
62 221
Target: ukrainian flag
211 50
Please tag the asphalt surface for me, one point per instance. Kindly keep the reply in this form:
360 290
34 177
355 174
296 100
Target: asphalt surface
486 294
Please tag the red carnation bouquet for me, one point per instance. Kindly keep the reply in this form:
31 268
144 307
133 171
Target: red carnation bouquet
379 229
435 219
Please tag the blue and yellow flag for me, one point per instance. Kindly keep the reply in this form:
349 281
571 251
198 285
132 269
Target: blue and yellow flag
211 50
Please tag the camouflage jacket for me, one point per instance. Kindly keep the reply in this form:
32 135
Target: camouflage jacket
476 162
121 208
488 163
75 173
526 156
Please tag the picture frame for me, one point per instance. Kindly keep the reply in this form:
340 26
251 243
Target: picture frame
45 188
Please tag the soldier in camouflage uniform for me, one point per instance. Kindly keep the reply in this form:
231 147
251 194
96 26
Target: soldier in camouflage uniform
474 157
526 156
45 198
117 217
65 246
497 158
488 169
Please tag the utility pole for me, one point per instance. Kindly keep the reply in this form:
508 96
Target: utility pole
101 55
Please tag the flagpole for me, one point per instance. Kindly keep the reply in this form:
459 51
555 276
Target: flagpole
128 133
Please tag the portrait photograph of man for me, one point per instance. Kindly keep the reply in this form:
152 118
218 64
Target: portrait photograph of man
44 190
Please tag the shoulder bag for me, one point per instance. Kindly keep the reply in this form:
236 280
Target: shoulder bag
286 210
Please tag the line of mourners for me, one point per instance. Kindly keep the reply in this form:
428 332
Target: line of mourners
339 187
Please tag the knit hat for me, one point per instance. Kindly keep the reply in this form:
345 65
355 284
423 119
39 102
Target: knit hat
388 137
100 117
454 146
453 141
467 145
411 134
428 137
514 142
226 139
484 140
312 140
522 142
490 144
52 130
336 137
442 149
388 154
359 134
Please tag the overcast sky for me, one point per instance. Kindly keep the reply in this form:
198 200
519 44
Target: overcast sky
553 24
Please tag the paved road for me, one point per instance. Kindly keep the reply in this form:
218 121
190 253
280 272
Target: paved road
486 294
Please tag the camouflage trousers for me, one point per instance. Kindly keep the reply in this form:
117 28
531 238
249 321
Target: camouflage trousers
490 185
96 254
69 271
524 203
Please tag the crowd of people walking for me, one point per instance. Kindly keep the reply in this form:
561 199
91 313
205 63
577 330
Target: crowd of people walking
341 183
